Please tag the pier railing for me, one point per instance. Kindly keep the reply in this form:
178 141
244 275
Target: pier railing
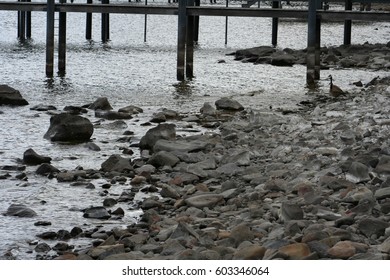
188 12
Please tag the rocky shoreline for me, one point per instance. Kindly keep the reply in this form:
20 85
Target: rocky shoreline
306 184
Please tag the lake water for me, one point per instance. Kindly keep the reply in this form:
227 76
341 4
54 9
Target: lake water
129 71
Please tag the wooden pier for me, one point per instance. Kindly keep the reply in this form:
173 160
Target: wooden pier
188 12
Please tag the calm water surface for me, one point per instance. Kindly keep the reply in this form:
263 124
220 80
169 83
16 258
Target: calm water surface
129 71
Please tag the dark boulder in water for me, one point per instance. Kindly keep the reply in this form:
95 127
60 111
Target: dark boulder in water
20 210
69 128
11 96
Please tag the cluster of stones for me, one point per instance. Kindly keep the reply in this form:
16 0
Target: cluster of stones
367 56
312 184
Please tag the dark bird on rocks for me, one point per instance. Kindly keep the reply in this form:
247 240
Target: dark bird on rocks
334 90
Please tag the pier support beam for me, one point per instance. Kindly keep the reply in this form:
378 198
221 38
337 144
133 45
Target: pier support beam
348 24
181 40
24 24
105 24
88 31
50 39
190 43
62 42
275 24
313 44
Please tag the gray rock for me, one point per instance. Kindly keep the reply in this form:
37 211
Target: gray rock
69 128
162 131
382 193
228 104
32 158
208 110
372 226
358 173
204 200
163 158
283 60
20 210
97 212
11 96
46 169
131 109
291 211
101 103
112 115
182 146
117 163
383 165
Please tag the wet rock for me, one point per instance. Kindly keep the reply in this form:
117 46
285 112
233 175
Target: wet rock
102 252
20 210
182 146
69 128
11 96
42 107
46 169
283 60
32 158
208 110
42 248
162 131
117 163
383 166
97 212
112 115
163 158
101 103
131 109
228 104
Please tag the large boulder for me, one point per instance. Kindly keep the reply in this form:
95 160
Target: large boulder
20 210
69 128
162 131
101 103
11 96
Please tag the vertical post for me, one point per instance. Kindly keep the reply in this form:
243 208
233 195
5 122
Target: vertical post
50 38
317 62
196 22
21 24
181 40
105 24
311 43
275 24
146 22
88 32
62 42
347 24
226 24
190 44
28 23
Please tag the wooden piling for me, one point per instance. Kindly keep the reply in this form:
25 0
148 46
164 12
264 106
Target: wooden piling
28 23
196 23
348 24
105 24
317 62
88 31
21 24
181 40
275 24
311 43
50 38
146 22
190 44
62 42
